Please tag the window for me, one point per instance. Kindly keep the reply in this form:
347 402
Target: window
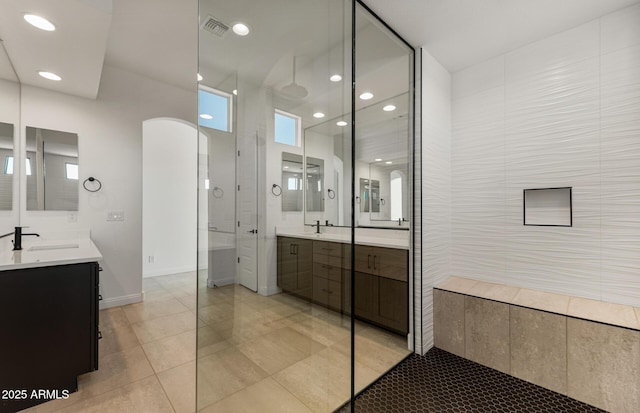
287 128
8 165
214 109
71 170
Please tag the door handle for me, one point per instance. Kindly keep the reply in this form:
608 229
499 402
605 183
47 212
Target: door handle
253 231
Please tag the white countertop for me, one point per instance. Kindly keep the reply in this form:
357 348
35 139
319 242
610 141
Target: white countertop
372 238
45 252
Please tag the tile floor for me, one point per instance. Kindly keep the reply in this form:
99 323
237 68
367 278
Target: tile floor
254 353
442 382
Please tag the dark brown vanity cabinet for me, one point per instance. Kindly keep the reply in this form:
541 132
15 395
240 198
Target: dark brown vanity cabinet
295 266
382 288
328 274
49 323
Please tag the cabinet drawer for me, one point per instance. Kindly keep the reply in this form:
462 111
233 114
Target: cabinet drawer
333 249
328 260
327 292
327 271
393 263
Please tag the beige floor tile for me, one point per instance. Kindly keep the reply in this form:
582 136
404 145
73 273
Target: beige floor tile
112 318
266 396
171 351
156 295
148 310
180 385
371 354
319 330
221 311
145 395
189 301
152 330
224 373
279 349
115 370
117 339
150 284
209 342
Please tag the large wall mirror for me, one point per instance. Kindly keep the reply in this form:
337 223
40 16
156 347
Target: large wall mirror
6 156
384 80
51 165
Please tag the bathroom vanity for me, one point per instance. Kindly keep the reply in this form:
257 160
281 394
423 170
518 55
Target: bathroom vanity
318 268
49 295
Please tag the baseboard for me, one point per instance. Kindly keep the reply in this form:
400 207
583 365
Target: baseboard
168 271
219 282
274 289
118 301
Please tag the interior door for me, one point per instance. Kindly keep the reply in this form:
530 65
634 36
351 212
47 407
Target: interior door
247 226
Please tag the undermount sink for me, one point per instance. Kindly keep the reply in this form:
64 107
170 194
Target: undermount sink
52 247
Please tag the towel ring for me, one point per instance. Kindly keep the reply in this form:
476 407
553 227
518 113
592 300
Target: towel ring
331 193
218 192
382 201
276 190
92 179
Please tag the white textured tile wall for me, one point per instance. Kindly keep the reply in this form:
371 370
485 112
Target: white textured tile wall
563 111
436 186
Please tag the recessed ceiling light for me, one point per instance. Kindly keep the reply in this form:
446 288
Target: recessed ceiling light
39 22
377 159
389 108
335 78
286 167
49 75
206 116
235 92
388 162
366 96
241 29
318 115
341 123
199 77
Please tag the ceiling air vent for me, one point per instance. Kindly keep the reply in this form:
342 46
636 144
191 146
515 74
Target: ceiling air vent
215 26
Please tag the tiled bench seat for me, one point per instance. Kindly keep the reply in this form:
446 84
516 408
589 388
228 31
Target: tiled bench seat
586 349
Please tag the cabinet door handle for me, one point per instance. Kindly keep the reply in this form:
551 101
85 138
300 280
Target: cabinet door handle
369 261
99 297
100 269
375 259
295 249
99 335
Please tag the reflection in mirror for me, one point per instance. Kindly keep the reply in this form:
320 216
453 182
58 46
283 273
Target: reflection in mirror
221 201
315 184
52 170
6 155
292 174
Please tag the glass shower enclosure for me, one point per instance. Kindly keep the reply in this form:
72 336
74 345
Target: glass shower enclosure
289 141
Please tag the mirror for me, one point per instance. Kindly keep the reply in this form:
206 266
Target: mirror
52 170
315 184
292 174
6 155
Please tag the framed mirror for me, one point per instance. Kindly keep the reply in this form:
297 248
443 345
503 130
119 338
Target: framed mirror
292 178
52 170
315 184
6 155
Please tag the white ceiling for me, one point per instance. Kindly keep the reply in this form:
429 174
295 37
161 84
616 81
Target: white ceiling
460 33
158 38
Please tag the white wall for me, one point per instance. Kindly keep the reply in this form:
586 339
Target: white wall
562 111
110 145
435 235
169 207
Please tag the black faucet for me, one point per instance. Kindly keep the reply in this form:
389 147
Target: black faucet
317 226
17 239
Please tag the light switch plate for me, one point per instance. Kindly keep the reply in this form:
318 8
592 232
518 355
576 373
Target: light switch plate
115 216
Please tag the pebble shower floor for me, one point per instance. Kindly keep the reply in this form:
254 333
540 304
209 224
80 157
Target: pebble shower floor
441 382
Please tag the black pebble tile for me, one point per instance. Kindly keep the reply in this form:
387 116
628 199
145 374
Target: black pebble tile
441 382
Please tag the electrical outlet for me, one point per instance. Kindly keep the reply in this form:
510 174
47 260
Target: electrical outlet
115 216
